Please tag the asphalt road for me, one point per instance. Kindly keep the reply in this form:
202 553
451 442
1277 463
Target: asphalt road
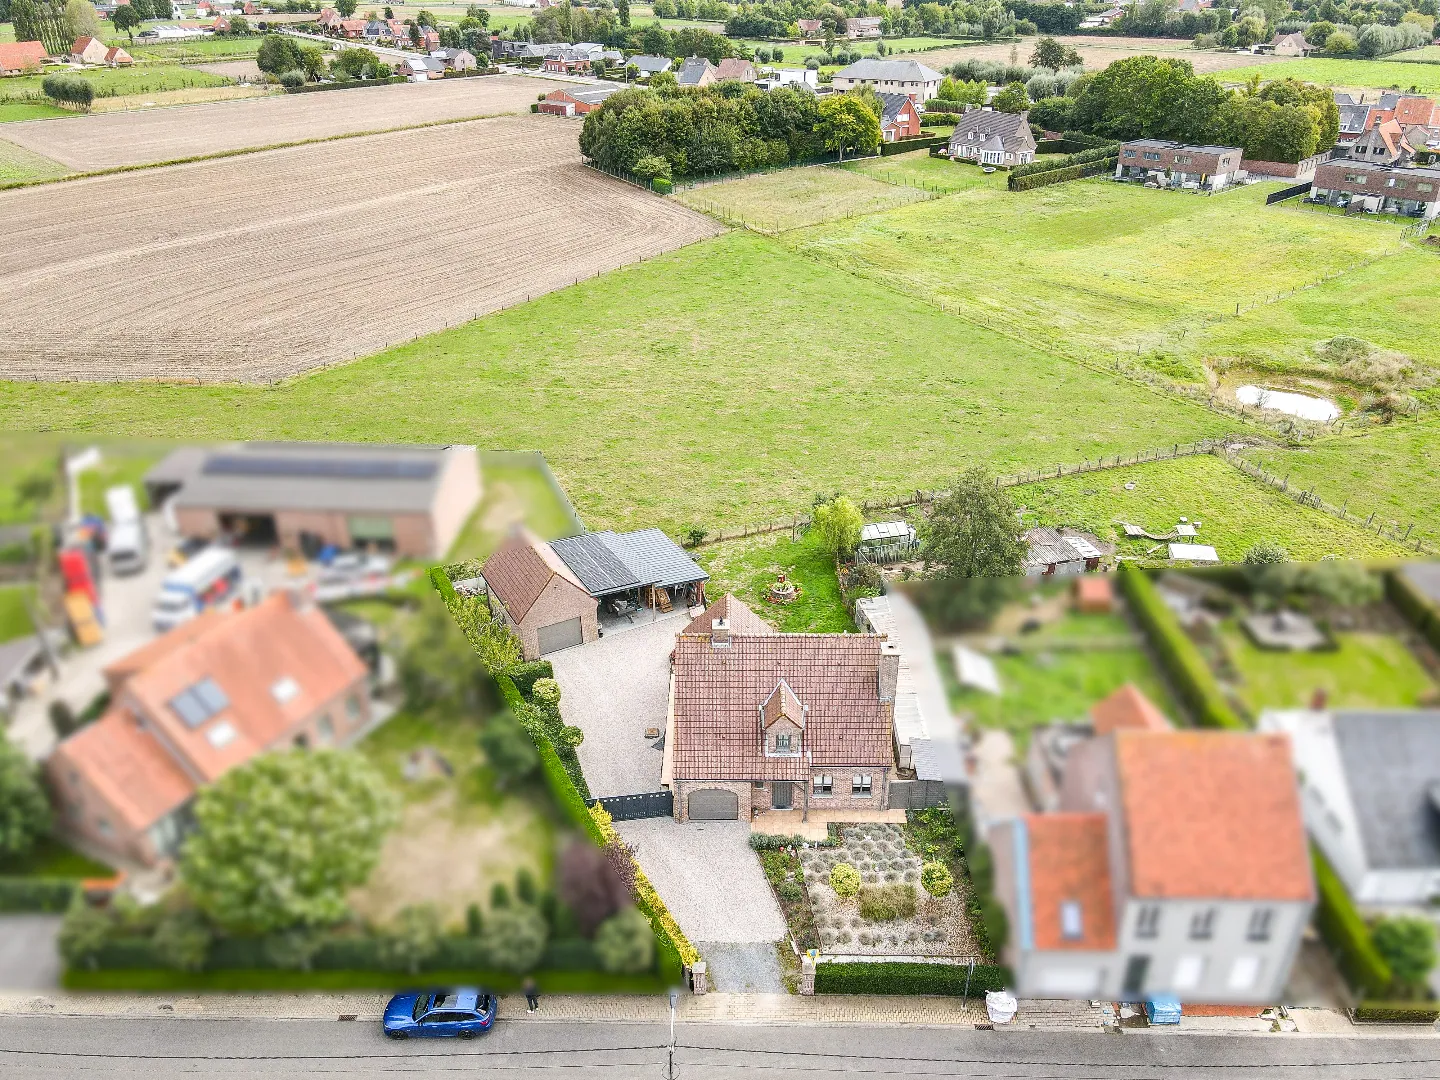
56 1048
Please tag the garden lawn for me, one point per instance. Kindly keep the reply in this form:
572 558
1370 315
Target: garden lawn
510 494
1365 74
11 111
748 568
17 163
116 82
919 169
722 384
1094 267
1236 512
790 198
14 615
1392 471
1369 670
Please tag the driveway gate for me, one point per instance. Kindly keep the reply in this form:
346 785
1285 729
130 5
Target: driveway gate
647 805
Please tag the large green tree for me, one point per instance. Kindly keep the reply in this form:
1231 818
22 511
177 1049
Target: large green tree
24 810
836 524
279 54
845 124
1150 97
45 21
1408 945
973 531
127 19
280 840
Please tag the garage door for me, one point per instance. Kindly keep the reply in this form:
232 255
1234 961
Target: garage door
560 635
713 804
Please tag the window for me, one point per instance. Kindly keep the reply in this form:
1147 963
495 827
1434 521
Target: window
1129 153
1150 157
325 728
860 784
1390 182
1188 972
1244 972
1355 178
1147 923
1259 928
824 785
1182 159
1072 926
1202 925
782 743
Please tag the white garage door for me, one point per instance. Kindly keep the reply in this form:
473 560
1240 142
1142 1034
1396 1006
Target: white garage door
560 635
713 804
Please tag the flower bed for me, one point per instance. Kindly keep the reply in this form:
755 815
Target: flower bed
889 879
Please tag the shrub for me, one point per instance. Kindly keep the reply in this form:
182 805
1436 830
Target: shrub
509 749
545 691
499 895
845 880
182 939
474 920
525 890
515 939
569 737
525 676
886 903
291 80
69 90
24 809
624 943
1397 1012
936 880
1346 934
661 186
412 939
767 842
908 978
84 933
36 894
651 167
1408 945
588 886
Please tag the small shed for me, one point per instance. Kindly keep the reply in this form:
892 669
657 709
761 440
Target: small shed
887 542
1053 553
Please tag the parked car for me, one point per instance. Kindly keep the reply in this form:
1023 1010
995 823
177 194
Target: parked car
462 1012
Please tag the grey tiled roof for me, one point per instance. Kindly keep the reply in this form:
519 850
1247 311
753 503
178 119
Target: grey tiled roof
596 563
1392 762
654 558
889 71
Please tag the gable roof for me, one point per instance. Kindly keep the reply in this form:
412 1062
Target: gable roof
783 702
649 65
978 124
1127 709
83 43
18 55
891 107
1353 117
1391 762
902 71
1069 864
595 563
1413 109
741 619
1297 39
520 569
718 692
732 67
128 767
1213 814
693 70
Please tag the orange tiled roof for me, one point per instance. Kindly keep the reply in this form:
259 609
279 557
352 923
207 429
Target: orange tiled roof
1127 709
742 620
1070 863
128 767
1212 814
18 55
520 569
1411 110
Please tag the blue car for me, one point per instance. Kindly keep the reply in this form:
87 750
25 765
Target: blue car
460 1013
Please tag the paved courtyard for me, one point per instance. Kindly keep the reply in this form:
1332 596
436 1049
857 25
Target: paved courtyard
612 690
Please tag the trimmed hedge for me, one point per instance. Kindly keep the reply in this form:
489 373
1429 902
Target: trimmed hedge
1084 157
906 145
1182 661
347 84
1417 609
1060 176
1345 932
36 894
1397 1012
526 675
550 981
661 186
908 978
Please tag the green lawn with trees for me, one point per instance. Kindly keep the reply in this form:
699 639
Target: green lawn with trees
120 82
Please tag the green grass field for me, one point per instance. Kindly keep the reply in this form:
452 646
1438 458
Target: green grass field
1371 74
30 110
1424 53
723 383
203 51
17 163
1093 267
750 566
796 54
1366 671
1392 471
119 82
918 168
792 198
1236 512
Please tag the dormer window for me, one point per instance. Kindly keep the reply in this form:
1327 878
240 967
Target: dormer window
782 743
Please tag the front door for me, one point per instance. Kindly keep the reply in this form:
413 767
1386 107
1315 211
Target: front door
1136 968
781 795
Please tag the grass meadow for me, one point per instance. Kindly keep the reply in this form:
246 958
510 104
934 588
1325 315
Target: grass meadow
11 111
120 82
919 169
1363 74
794 198
17 163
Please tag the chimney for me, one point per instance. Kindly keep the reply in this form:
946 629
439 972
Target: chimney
888 671
720 633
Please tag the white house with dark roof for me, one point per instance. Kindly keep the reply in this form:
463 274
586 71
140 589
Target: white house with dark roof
1370 789
697 71
908 77
987 136
650 65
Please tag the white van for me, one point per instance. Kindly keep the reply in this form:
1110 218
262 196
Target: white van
210 578
127 548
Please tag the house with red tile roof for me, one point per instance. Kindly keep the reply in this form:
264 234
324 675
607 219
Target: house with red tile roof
191 705
18 57
539 597
1176 865
88 50
765 721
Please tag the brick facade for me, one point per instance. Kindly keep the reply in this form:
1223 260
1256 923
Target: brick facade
1211 167
559 602
1413 192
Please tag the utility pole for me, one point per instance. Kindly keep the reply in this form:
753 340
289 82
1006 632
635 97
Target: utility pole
670 1059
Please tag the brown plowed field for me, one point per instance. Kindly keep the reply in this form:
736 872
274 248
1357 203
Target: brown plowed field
259 267
141 138
1097 52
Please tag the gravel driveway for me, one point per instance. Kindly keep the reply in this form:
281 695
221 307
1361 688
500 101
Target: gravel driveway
708 877
612 690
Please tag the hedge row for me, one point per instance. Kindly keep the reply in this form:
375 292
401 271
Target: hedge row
38 894
1059 176
886 149
1417 608
1188 672
1397 1012
908 978
670 937
346 84
169 979
1345 932
1083 157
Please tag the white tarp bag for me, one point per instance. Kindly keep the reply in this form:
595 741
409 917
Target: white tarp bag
1000 1006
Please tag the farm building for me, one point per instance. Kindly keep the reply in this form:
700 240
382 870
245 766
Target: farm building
18 57
990 137
88 50
410 500
576 101
908 77
421 67
1173 164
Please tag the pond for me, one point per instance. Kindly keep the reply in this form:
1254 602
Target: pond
1301 405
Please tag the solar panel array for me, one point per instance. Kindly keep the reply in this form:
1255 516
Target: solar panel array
336 468
196 704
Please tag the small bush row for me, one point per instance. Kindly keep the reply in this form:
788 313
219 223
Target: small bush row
38 894
1397 1012
1084 157
908 978
69 90
889 148
1059 176
1178 655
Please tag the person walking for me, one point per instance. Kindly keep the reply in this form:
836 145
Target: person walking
532 995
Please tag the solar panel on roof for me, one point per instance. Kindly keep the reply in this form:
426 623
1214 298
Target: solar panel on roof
332 468
210 695
196 704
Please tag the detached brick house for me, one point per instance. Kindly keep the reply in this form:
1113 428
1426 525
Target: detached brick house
989 137
1173 164
760 720
193 704
900 118
1384 144
732 67
1176 865
539 596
